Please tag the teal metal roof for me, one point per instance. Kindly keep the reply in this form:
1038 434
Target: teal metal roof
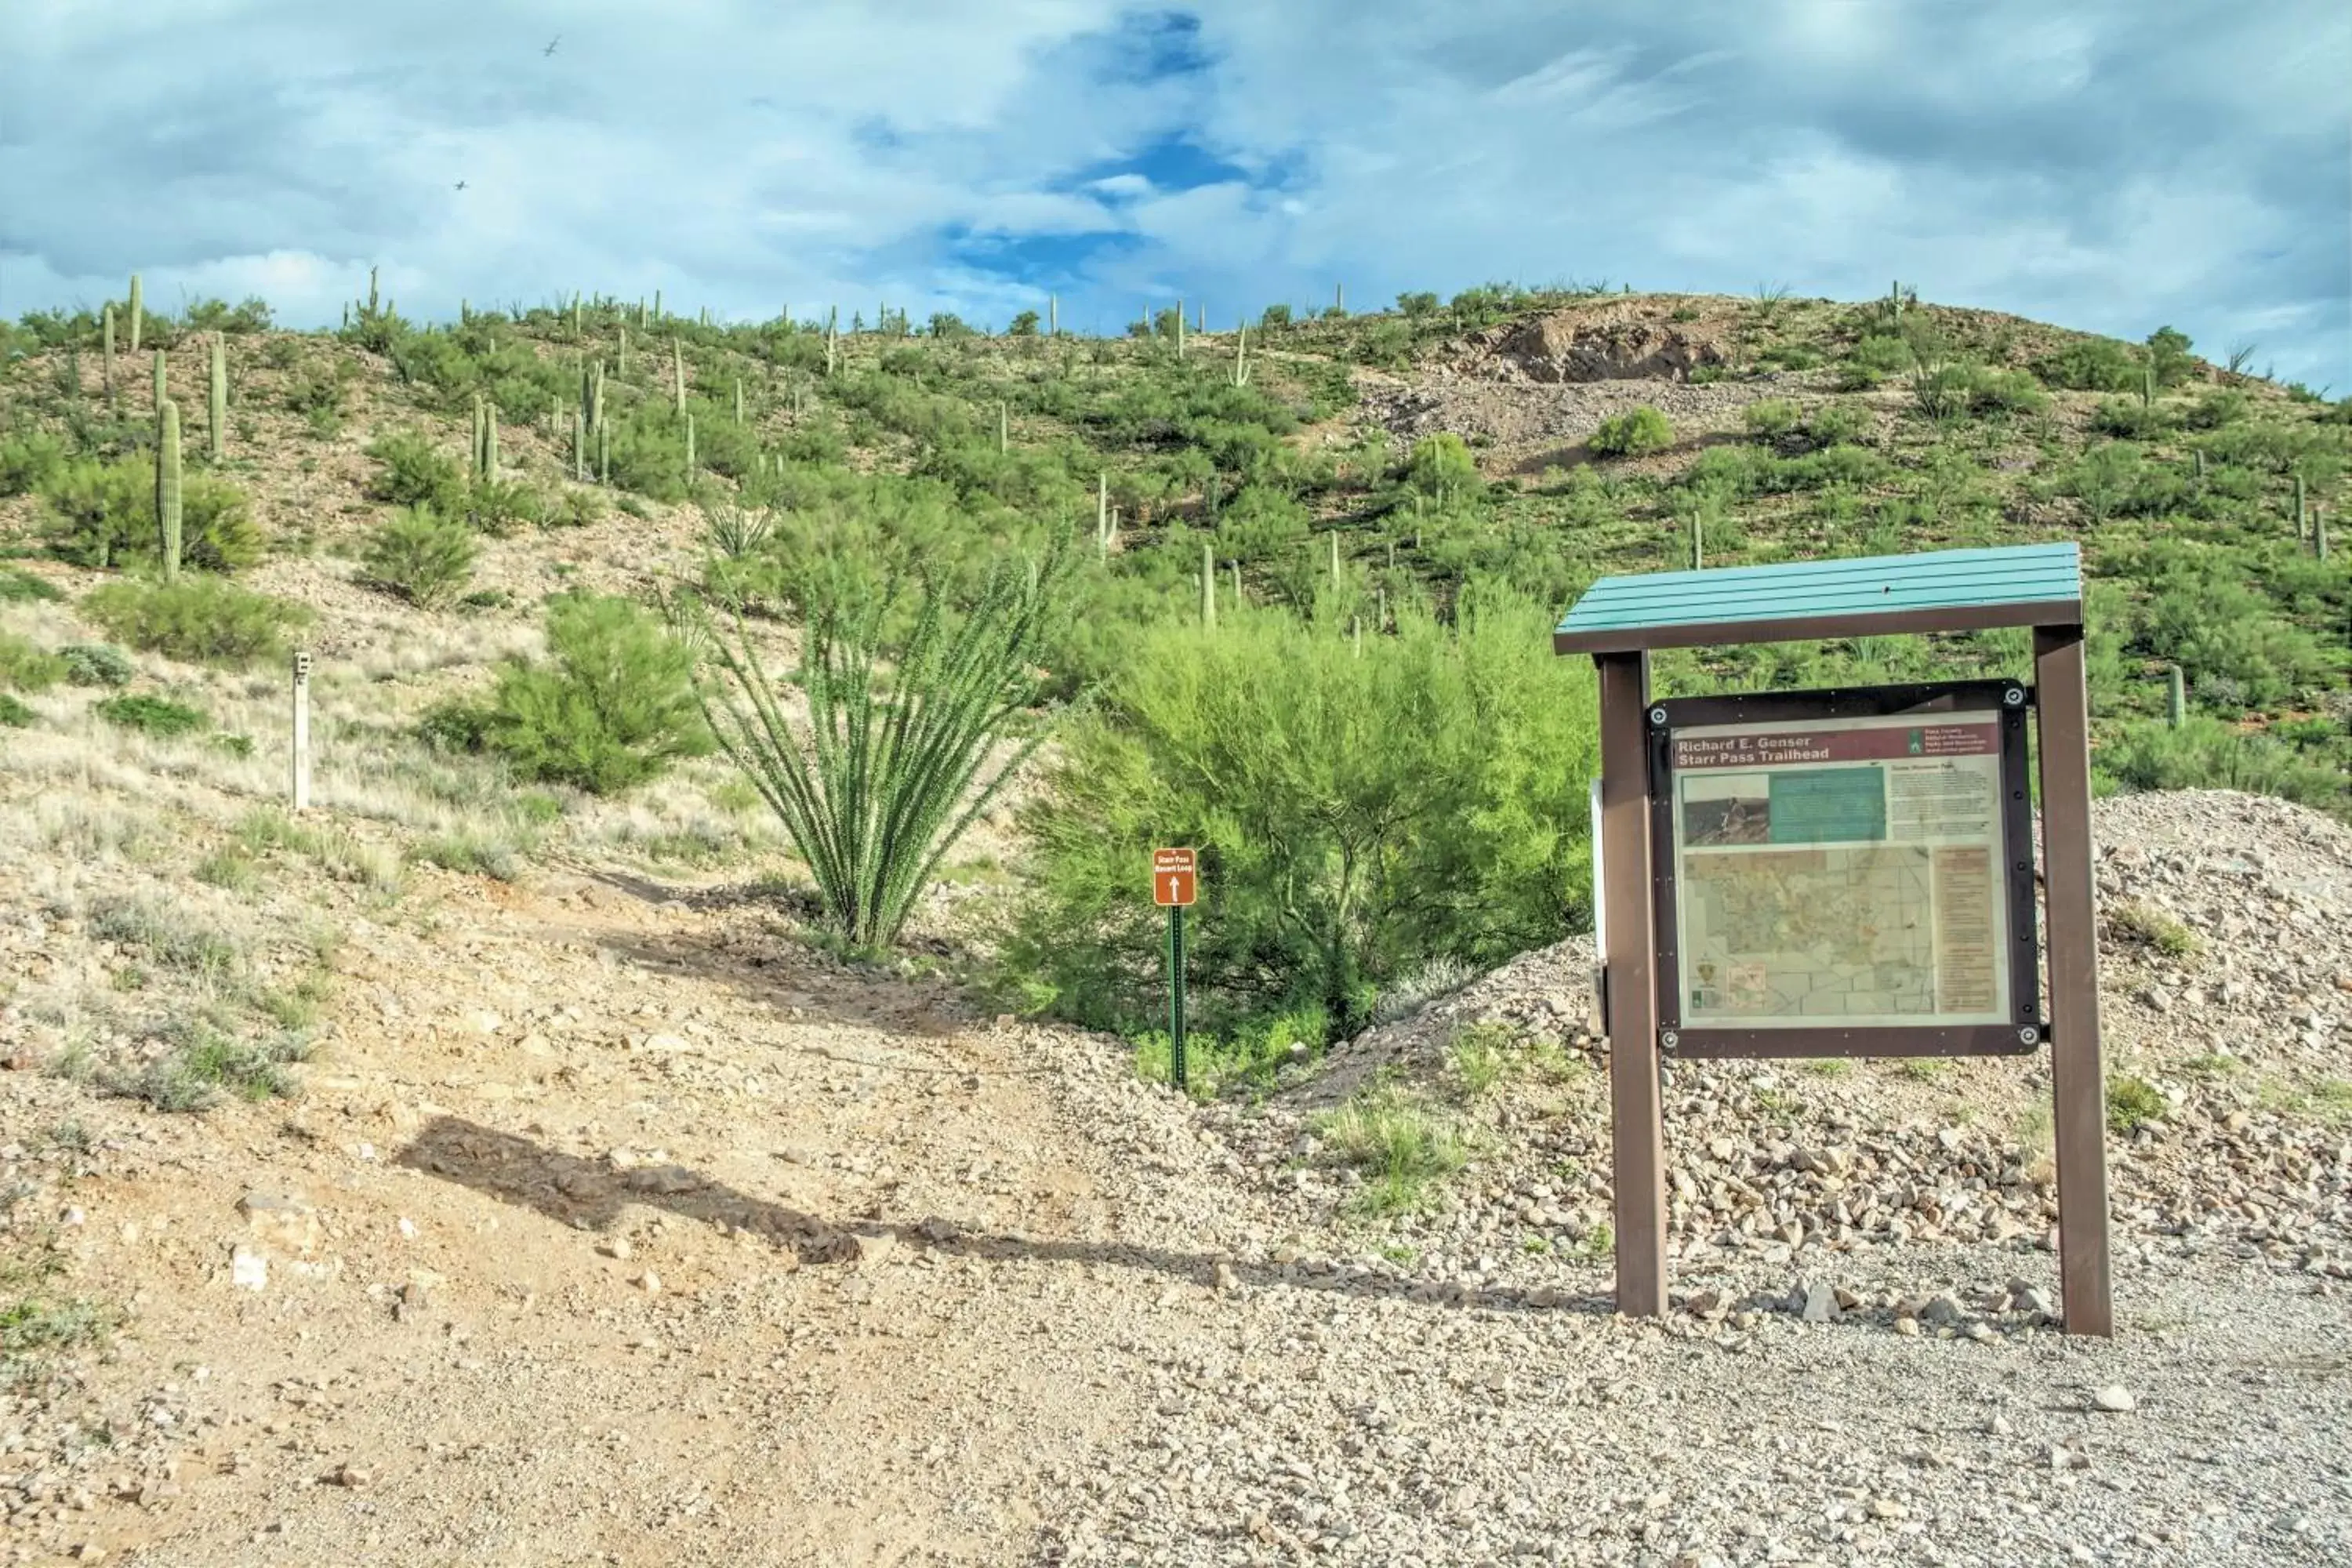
1943 590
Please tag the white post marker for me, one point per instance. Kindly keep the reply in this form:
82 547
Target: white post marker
301 761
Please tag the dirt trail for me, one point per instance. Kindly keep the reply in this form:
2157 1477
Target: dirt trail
844 1327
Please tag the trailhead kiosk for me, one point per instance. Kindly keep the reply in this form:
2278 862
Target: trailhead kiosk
1846 873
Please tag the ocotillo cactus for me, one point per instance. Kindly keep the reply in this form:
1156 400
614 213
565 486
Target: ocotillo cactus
136 313
1209 585
167 484
161 391
2175 697
106 328
216 409
677 373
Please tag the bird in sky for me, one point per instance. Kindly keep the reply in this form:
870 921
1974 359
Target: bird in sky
551 43
461 185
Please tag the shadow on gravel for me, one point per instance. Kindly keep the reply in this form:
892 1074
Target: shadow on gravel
588 1195
785 975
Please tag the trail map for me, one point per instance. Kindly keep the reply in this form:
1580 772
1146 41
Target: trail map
1839 872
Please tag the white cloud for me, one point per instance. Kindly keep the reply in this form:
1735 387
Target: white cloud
2110 167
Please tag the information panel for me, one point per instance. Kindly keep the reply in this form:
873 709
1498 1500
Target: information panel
1842 871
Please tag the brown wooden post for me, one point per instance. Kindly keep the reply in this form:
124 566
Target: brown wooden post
1637 1133
2077 1082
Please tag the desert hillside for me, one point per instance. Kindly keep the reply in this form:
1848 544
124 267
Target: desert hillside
511 1157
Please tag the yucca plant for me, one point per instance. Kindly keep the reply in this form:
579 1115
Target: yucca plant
887 775
734 531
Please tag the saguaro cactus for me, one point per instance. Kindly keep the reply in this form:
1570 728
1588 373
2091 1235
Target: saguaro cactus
739 400
371 294
1180 326
2176 697
580 444
1209 586
1241 356
105 327
690 446
1003 429
1697 541
1334 537
1052 315
1102 511
137 314
162 389
677 373
2300 528
603 454
167 484
217 408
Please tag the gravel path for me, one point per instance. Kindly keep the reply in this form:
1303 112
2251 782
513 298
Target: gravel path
617 1227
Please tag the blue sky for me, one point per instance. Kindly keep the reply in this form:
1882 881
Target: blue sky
2115 166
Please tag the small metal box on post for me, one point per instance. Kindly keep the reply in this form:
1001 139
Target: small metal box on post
1748 847
300 782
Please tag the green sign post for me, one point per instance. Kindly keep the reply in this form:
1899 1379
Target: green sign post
1175 882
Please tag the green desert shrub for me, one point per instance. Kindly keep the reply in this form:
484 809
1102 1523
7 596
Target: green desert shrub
14 714
28 462
204 620
102 515
1872 360
498 507
610 707
412 471
1771 418
2090 365
159 717
95 664
1632 433
1358 815
24 666
2205 754
1442 468
421 556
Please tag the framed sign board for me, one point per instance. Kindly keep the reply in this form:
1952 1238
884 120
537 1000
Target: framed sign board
1844 873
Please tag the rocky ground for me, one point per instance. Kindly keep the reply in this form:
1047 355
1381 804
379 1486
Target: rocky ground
616 1223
